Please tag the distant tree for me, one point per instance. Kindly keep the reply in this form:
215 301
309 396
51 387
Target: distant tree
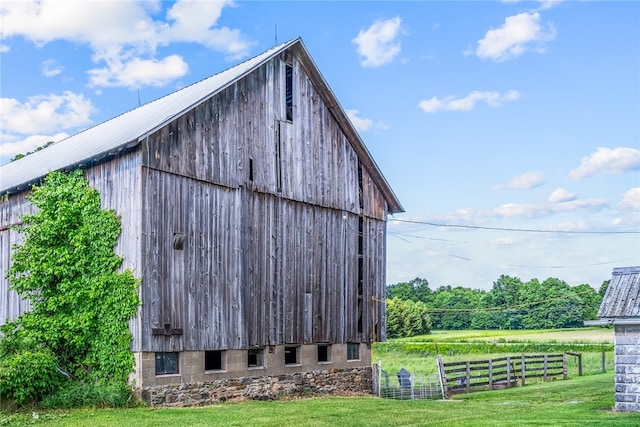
19 156
414 290
603 288
590 301
406 318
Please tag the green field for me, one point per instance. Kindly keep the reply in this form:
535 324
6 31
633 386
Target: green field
418 354
579 401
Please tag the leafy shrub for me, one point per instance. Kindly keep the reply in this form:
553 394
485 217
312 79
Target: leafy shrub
75 395
28 376
67 269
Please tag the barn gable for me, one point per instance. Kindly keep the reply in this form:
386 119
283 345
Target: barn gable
254 216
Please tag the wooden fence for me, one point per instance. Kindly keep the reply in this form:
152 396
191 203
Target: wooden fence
502 372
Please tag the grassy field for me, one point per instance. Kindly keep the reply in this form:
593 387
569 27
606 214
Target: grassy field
579 401
418 354
574 335
584 401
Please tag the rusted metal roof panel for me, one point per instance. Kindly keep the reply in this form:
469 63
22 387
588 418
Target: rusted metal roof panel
622 299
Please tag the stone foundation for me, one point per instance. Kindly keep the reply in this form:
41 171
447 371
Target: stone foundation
627 363
327 382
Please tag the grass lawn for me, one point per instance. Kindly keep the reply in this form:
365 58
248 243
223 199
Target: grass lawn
584 401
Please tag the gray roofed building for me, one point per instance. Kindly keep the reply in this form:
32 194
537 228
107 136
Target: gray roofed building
621 308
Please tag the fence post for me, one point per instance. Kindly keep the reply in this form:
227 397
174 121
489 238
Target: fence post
523 362
443 378
379 377
564 366
490 374
468 377
508 372
580 364
604 368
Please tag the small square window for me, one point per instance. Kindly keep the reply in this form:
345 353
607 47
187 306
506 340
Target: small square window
291 355
353 351
166 363
324 353
255 357
214 360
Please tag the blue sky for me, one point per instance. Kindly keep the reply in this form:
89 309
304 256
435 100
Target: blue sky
485 117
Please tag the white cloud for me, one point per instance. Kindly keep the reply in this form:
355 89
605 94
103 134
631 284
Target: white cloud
378 44
514 37
493 99
607 160
524 182
45 113
560 195
631 200
124 34
10 149
51 68
138 72
505 241
360 123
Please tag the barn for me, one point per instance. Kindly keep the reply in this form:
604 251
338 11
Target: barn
621 307
254 216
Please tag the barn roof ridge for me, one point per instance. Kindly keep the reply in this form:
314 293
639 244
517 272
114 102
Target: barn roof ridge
126 130
75 151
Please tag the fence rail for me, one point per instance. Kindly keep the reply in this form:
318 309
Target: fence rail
503 372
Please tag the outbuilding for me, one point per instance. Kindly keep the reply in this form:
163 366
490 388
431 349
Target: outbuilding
621 308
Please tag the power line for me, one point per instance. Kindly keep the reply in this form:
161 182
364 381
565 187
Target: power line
529 230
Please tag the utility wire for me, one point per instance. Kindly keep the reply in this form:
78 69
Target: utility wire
529 230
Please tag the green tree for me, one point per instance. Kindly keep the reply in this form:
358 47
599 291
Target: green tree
66 267
590 301
414 290
406 318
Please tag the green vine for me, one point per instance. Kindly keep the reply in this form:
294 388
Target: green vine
66 267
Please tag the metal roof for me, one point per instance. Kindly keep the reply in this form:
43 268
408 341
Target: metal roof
128 129
622 299
124 130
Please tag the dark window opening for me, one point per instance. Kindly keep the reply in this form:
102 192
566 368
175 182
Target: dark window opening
278 163
353 351
360 189
214 360
324 353
166 363
360 272
255 358
289 91
291 354
250 170
178 241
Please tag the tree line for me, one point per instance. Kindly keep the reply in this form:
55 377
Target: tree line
413 308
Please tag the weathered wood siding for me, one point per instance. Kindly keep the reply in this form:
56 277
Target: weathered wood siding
11 305
196 288
270 211
119 184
